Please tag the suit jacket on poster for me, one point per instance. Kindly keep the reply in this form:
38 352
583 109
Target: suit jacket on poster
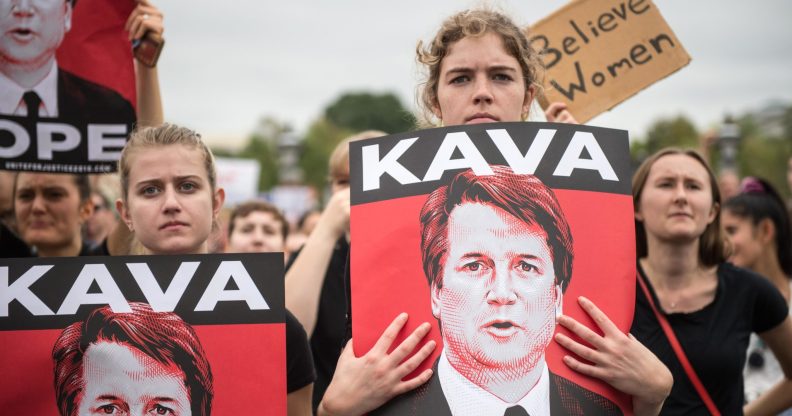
81 102
566 398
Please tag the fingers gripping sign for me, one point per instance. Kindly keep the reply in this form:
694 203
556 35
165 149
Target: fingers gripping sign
616 358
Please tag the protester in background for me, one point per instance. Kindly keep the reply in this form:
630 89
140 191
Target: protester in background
317 279
757 224
98 226
481 69
711 306
256 227
728 184
304 227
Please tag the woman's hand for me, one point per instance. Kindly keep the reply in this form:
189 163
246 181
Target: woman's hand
363 384
557 113
618 359
144 18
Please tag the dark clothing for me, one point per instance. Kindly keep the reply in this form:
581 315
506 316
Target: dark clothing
714 338
566 398
81 101
11 245
299 362
330 333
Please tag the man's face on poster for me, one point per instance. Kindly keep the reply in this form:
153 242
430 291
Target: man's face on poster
121 380
499 298
32 30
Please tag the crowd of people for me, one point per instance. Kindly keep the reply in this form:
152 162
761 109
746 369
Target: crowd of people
711 331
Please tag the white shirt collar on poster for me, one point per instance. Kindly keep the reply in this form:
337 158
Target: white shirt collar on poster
11 95
467 399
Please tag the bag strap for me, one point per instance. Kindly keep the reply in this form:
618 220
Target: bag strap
680 353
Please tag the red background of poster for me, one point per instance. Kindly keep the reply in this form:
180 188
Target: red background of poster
388 279
248 363
97 47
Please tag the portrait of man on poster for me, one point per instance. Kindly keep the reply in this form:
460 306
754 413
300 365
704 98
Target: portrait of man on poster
137 363
32 84
497 252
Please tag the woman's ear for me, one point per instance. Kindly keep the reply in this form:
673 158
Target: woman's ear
217 202
530 94
124 214
766 231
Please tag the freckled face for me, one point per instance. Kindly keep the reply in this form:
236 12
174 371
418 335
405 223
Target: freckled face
480 83
499 299
170 203
121 380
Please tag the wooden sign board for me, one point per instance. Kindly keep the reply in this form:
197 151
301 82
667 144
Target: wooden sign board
598 53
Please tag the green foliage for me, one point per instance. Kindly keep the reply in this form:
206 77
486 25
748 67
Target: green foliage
262 146
762 155
318 144
675 132
366 111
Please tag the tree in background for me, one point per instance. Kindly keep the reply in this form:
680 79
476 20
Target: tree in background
349 114
674 132
366 111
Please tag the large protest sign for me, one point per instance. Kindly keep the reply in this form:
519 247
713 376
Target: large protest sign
156 334
489 232
600 53
67 86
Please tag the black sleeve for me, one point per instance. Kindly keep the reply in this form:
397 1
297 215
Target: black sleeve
299 361
770 307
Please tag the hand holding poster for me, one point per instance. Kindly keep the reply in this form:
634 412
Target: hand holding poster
193 334
599 53
490 234
71 112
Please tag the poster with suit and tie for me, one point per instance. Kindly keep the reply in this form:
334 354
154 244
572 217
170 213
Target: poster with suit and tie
491 232
67 85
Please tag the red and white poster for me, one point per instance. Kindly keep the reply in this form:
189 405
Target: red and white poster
67 84
171 335
490 232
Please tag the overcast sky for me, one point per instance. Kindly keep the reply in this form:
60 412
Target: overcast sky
226 64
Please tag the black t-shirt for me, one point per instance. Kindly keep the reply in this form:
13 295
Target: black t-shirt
330 333
714 338
11 245
299 362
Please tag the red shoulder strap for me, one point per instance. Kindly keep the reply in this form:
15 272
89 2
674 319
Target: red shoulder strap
680 353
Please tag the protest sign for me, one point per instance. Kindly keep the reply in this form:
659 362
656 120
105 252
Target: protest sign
239 178
67 111
195 334
489 231
600 53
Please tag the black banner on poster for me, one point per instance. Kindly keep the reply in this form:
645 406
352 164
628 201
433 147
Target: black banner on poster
489 232
66 86
204 332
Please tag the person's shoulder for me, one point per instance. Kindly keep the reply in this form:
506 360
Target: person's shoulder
742 279
566 397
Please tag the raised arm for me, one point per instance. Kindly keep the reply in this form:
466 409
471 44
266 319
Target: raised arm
146 18
617 359
306 276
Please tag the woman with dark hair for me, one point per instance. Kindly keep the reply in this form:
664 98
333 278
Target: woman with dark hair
693 309
757 224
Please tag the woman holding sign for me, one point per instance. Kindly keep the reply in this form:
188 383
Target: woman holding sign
481 69
694 310
171 202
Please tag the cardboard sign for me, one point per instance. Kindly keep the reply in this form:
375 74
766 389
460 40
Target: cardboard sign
198 333
487 231
81 101
599 53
